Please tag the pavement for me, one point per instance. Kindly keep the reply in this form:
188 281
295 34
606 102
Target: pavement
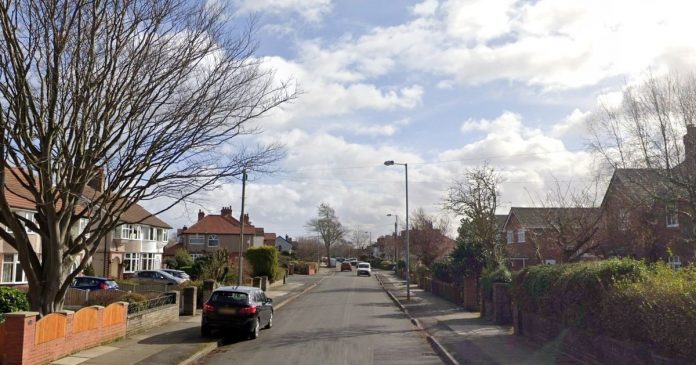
180 342
464 337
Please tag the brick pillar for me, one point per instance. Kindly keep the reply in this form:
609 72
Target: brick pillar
264 283
256 282
20 330
190 298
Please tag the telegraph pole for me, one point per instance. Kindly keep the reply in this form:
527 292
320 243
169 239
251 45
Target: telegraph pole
241 233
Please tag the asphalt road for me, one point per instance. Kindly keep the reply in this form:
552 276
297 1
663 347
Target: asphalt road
344 320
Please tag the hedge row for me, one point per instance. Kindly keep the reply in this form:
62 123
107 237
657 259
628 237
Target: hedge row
623 298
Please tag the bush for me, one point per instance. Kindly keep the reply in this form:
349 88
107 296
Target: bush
571 293
302 267
279 274
12 300
386 265
500 274
442 270
88 270
264 261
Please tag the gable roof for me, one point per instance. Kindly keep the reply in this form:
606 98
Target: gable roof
638 184
218 224
532 218
19 197
500 220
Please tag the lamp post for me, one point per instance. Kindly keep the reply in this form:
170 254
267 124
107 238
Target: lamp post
240 280
396 220
408 258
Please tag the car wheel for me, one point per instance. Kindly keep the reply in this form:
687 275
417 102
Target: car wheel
205 331
270 322
255 331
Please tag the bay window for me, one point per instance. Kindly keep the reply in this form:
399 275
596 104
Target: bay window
131 262
11 270
147 261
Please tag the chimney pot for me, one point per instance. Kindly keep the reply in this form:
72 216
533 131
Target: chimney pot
201 215
226 211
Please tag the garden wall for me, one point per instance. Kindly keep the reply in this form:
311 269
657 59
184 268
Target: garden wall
25 339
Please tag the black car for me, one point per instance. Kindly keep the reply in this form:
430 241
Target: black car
93 283
242 309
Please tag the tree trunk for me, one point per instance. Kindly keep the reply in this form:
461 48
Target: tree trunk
328 256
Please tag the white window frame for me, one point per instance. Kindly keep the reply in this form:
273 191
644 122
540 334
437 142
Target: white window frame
550 262
131 232
14 266
147 261
521 235
213 237
134 259
510 237
674 261
196 256
197 237
672 216
150 233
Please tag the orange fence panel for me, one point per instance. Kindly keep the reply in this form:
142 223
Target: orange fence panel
51 327
114 314
85 319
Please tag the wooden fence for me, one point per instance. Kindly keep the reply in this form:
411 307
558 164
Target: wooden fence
465 294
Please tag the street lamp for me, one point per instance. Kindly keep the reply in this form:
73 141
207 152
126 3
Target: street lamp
408 258
396 220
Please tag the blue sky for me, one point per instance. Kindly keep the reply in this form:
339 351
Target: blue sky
444 86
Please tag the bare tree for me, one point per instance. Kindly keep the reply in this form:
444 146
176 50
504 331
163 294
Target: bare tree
653 133
328 227
475 198
427 239
569 222
147 98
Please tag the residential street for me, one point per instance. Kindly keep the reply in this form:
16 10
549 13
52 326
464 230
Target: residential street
345 320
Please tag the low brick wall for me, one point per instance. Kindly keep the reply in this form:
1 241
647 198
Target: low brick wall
587 347
29 340
152 318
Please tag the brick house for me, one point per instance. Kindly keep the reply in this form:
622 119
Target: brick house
145 246
549 235
213 232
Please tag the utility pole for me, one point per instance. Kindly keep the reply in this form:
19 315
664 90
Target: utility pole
408 257
241 232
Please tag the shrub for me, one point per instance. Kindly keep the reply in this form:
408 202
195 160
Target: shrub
279 274
12 300
264 261
442 270
386 265
88 270
302 267
499 274
571 293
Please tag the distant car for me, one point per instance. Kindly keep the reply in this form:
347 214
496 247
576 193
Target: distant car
239 308
345 266
364 269
157 277
93 283
178 273
353 262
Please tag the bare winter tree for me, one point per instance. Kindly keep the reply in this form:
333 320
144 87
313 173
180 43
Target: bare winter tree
652 135
475 198
328 227
427 237
146 98
570 221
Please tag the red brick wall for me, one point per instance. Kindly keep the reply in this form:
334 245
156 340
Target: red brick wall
21 342
534 239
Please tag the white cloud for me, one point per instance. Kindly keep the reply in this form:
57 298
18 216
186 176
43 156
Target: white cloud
309 10
574 125
425 8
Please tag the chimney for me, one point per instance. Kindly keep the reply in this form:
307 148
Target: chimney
246 219
201 215
226 211
690 145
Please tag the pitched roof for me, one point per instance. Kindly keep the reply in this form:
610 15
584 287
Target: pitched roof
500 220
639 184
19 197
269 236
218 224
541 217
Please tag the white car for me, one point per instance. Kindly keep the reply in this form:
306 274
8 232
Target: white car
364 269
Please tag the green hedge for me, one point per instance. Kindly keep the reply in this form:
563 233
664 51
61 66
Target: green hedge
491 276
623 298
12 300
264 261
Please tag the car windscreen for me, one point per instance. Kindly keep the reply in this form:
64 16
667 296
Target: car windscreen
111 283
229 297
363 266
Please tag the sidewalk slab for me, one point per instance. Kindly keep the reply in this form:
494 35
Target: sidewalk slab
178 341
467 337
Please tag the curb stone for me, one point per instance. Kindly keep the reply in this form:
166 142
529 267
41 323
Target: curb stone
445 355
210 347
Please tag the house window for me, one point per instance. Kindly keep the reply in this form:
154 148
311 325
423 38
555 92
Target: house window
623 220
196 239
130 231
213 240
521 236
131 262
147 261
11 270
196 256
550 262
28 216
510 237
672 216
150 233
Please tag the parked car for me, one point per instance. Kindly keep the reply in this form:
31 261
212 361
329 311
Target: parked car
242 309
353 261
345 266
93 283
364 269
156 277
178 273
